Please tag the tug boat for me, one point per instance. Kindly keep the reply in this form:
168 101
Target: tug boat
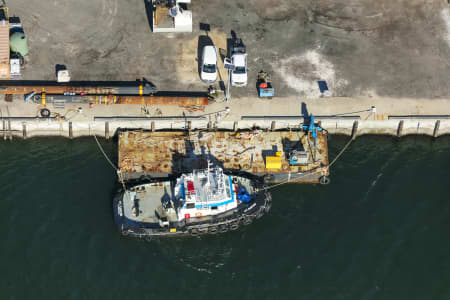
206 201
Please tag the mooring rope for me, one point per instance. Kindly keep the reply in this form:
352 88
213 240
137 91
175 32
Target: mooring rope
104 154
340 153
119 173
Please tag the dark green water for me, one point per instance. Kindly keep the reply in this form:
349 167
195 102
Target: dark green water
380 230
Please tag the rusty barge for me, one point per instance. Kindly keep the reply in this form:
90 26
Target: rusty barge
277 156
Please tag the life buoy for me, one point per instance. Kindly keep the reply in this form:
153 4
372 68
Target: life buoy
45 113
324 180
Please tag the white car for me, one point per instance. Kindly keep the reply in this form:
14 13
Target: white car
209 64
239 74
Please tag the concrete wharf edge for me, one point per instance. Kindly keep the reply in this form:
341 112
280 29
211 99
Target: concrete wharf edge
397 117
108 127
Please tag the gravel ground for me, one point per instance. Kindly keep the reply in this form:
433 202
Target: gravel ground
365 48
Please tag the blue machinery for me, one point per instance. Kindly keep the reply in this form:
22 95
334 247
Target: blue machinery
311 127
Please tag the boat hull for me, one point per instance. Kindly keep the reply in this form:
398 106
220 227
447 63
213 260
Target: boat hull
231 220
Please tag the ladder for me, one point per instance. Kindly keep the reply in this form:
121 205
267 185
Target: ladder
59 104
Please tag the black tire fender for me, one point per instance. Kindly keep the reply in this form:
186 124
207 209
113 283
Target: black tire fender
247 220
45 113
268 178
194 232
212 230
223 228
234 226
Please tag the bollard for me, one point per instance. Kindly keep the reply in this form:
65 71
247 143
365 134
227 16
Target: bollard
9 130
235 126
400 128
354 129
24 130
436 128
273 125
70 130
107 130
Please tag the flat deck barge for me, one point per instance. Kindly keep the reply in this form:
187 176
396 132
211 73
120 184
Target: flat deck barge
263 153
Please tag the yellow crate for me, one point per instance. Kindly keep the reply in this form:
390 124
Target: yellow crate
273 162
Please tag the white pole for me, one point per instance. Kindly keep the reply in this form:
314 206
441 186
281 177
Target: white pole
228 94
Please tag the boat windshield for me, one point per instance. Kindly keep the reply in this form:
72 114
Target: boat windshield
239 70
209 68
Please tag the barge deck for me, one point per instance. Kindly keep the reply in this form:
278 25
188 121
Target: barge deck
262 153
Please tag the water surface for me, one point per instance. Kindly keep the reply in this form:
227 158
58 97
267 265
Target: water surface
380 230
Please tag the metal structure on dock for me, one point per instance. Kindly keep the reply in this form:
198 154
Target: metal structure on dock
118 99
83 88
277 155
143 93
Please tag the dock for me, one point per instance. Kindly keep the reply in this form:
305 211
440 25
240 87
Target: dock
162 153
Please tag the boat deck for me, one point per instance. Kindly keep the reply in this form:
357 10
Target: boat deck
148 203
161 153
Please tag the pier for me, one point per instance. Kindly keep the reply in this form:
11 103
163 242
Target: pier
396 117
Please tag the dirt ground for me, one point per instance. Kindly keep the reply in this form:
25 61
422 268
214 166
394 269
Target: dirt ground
360 47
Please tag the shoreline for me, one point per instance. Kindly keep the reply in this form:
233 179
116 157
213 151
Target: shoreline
27 128
347 116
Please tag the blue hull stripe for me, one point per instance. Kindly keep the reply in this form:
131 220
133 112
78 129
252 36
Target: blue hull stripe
216 204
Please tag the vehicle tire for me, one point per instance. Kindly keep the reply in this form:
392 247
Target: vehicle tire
212 230
324 180
45 113
148 238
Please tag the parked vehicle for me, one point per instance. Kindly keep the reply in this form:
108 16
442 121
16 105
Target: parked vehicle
239 74
209 64
239 60
264 84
